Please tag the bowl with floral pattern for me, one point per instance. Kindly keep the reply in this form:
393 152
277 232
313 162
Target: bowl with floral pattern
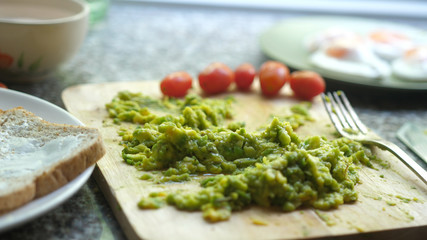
36 36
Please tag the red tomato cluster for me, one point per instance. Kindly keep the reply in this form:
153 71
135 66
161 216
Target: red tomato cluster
218 77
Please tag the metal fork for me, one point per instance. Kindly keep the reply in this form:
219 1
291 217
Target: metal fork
348 124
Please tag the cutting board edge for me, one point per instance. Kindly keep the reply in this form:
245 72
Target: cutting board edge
123 221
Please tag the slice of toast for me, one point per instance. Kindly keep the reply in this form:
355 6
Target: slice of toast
38 157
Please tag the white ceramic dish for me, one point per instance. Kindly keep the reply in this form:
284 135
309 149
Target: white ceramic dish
36 36
50 112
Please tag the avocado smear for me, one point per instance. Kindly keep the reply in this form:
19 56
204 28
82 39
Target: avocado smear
272 167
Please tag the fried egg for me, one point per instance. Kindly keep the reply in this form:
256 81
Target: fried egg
413 65
315 42
350 56
389 44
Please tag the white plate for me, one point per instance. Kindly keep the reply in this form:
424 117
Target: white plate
52 113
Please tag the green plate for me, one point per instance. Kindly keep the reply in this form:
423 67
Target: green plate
284 42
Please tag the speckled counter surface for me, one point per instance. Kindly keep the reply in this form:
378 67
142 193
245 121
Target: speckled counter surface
146 41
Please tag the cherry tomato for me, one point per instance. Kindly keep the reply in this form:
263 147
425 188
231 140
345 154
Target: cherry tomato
307 84
216 78
2 85
176 84
5 60
244 76
272 77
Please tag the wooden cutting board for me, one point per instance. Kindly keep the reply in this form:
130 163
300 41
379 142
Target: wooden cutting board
392 202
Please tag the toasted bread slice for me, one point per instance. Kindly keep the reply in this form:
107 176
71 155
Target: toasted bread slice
38 157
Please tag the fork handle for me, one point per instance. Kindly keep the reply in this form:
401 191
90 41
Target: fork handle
407 160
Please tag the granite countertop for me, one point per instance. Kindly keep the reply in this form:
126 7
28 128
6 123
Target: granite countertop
139 41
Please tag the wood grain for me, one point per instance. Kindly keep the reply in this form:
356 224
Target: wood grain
380 212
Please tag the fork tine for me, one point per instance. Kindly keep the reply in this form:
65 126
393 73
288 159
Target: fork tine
338 111
352 113
334 119
345 113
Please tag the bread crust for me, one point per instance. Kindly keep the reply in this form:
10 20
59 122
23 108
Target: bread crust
60 174
68 170
17 198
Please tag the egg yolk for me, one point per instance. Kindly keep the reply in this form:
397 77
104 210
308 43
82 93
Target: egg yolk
384 36
418 54
337 52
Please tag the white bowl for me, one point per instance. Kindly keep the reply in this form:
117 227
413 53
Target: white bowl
36 36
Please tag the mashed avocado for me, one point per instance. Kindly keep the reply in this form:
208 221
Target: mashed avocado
272 167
